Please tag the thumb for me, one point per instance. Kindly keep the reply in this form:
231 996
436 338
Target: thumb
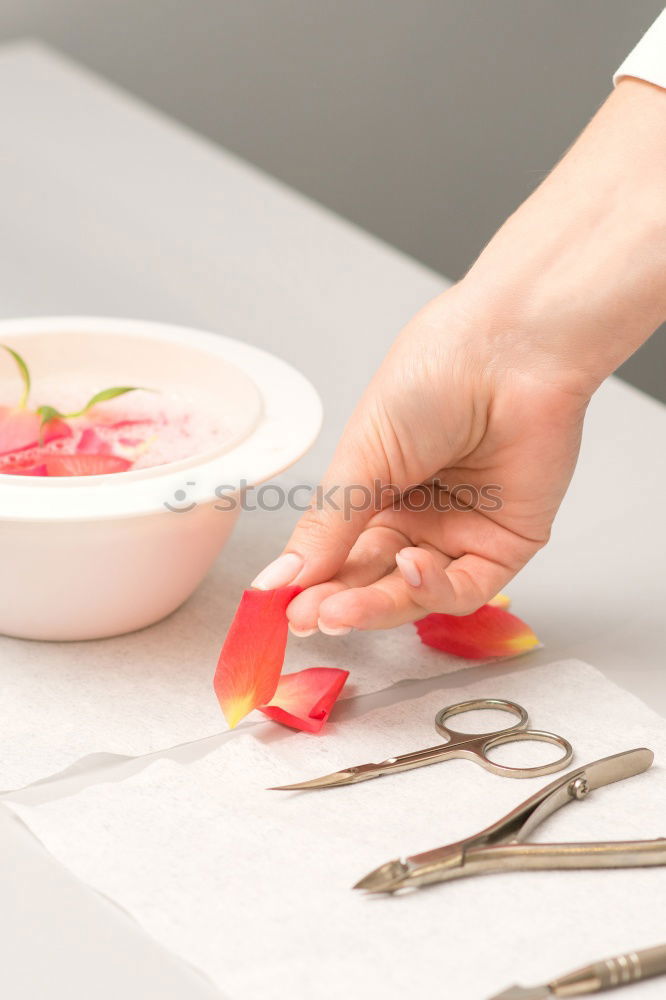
353 489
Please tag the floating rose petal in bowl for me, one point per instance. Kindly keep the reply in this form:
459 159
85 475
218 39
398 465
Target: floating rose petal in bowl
85 465
20 430
99 553
92 443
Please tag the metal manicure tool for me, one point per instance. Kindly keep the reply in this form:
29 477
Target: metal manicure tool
501 847
473 746
605 975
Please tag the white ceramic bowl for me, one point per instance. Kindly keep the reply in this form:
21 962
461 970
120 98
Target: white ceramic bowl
94 556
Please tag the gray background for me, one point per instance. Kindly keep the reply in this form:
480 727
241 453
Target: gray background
425 121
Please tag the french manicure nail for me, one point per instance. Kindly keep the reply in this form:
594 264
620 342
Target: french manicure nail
409 570
278 573
301 633
333 630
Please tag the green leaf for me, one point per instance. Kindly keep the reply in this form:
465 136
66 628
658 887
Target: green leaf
24 372
46 413
101 397
49 413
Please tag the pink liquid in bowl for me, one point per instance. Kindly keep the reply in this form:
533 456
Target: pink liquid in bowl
144 429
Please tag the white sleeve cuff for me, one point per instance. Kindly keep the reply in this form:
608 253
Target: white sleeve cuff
647 61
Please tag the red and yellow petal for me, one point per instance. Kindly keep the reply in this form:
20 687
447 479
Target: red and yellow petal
500 601
488 632
249 666
304 700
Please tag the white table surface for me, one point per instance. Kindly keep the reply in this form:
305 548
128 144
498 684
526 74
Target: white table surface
106 207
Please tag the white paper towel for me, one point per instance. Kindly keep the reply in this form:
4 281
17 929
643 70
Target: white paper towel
153 689
253 886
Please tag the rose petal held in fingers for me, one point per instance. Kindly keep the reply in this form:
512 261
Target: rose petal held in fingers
490 631
249 666
304 700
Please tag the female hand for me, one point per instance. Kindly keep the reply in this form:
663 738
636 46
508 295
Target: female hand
486 389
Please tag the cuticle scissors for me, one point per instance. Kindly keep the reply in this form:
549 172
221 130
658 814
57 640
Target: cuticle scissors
472 746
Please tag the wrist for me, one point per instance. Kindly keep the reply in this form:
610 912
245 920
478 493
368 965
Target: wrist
573 283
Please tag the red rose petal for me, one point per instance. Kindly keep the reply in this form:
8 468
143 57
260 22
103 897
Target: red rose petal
130 423
304 700
85 465
55 429
19 429
27 468
249 666
490 631
91 443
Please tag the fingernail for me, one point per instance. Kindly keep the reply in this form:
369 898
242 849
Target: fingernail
301 633
409 570
331 630
278 573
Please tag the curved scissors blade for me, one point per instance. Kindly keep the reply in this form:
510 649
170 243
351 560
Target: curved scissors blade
525 993
347 776
363 772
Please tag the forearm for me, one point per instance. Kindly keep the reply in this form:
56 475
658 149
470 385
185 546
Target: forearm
575 280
